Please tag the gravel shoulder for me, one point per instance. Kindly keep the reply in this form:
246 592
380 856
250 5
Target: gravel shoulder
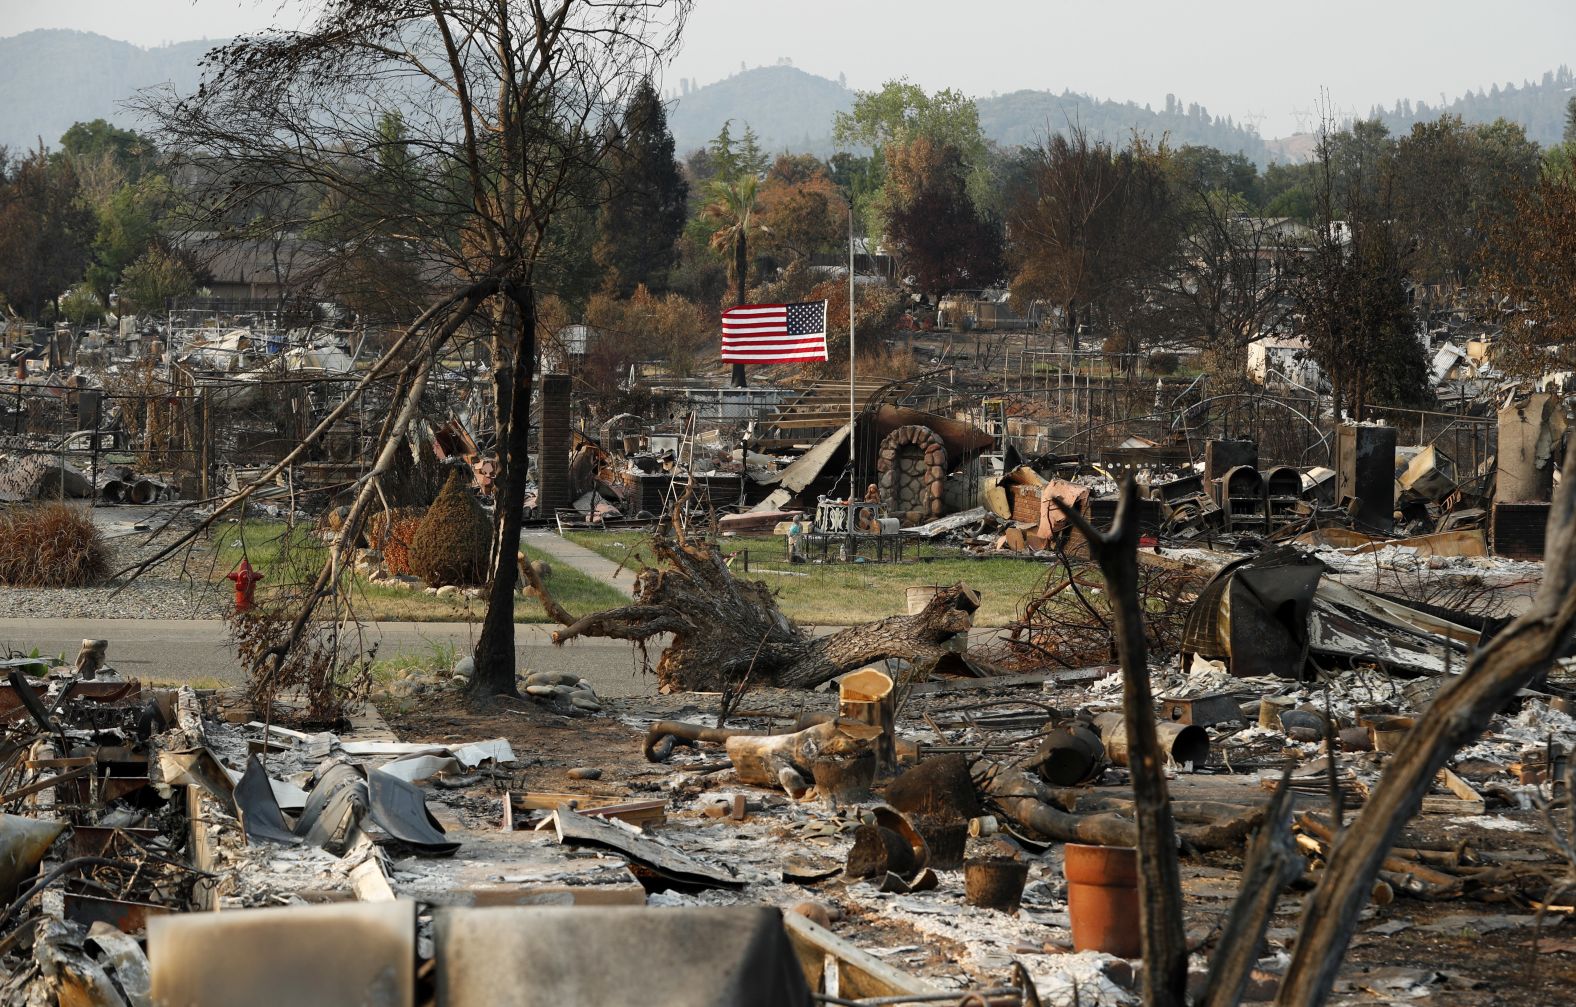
180 588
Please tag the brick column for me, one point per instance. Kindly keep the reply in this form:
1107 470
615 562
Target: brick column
553 460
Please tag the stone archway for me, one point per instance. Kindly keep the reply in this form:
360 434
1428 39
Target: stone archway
912 469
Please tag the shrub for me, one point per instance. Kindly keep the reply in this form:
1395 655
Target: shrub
451 544
1164 362
51 545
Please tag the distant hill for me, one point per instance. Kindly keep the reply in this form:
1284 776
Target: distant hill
788 109
1540 107
793 110
1025 117
52 78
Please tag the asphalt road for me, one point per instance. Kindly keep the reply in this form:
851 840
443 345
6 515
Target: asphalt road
196 650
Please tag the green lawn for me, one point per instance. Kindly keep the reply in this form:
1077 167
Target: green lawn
840 594
296 561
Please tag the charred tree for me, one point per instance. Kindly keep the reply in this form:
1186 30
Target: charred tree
1159 878
512 386
461 134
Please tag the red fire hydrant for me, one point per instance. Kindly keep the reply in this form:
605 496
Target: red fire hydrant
245 579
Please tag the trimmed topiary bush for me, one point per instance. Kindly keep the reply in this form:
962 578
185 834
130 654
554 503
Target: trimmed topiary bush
51 545
451 544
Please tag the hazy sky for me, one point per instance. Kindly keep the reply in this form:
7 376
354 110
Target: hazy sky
1259 62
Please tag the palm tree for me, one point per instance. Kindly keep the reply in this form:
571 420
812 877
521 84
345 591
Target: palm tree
732 204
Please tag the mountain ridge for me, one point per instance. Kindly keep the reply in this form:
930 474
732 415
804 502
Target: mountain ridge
53 77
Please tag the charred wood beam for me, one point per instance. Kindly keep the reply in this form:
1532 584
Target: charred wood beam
1107 821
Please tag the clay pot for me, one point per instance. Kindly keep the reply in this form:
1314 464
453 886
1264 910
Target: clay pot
1389 732
994 883
945 838
1102 898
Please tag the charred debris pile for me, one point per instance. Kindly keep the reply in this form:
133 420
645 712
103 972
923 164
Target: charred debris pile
909 831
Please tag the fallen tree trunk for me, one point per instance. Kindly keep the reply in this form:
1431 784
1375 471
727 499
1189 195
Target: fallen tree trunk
727 631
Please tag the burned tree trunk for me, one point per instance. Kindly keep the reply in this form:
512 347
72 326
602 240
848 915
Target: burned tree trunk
512 383
1159 879
727 631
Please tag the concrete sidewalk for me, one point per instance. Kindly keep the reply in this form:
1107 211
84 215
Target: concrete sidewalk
592 564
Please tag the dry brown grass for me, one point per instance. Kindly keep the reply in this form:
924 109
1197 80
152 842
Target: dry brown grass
51 545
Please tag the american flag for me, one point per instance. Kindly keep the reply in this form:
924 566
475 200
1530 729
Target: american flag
774 333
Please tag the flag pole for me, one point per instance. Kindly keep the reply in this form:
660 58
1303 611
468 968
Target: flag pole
853 472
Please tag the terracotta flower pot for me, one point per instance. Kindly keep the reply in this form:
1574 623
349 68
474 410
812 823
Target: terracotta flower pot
1389 732
1102 898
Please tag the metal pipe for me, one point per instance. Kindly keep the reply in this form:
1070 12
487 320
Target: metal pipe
1180 742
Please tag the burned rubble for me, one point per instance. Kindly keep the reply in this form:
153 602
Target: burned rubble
1067 647
918 829
914 809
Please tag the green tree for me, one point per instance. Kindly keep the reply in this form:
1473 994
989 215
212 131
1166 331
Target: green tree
1357 161
731 214
1452 185
128 223
156 278
721 158
130 151
377 271
45 229
752 158
646 200
897 114
901 111
1205 168
107 158
1290 190
81 305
